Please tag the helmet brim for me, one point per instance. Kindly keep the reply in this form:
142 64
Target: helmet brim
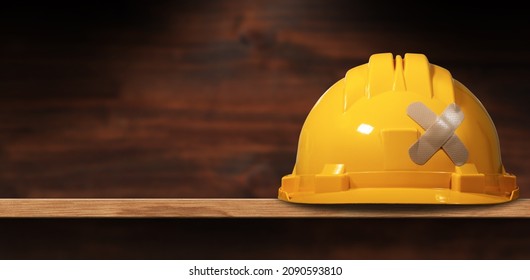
395 196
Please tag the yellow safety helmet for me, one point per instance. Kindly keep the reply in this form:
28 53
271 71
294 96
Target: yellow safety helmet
398 131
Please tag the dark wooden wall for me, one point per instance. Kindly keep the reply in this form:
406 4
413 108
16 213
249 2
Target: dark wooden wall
206 98
277 239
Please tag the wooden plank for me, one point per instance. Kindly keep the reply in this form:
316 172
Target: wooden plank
244 208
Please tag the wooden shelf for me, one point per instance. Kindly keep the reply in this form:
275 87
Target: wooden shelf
244 208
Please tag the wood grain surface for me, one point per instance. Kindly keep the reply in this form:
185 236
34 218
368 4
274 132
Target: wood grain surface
244 208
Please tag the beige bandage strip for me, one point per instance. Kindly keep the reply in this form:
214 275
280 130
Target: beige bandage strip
439 133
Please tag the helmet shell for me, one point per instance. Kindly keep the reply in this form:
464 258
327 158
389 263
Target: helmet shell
354 144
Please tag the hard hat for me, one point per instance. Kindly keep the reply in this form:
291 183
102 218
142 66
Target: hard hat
398 130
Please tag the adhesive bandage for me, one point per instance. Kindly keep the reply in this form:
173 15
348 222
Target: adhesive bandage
439 133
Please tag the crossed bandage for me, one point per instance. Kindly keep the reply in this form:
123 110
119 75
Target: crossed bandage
439 133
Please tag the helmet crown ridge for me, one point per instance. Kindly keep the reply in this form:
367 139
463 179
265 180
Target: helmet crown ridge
385 73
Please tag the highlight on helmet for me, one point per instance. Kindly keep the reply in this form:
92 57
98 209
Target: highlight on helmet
398 130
